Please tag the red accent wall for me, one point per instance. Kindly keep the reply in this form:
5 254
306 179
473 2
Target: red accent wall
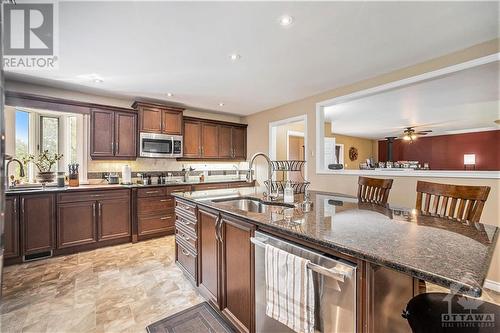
446 152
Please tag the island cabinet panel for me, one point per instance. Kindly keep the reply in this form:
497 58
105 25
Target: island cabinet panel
76 223
192 139
38 223
11 228
125 134
237 272
102 134
208 256
209 140
186 239
114 218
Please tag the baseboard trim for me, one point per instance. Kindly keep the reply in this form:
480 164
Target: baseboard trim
492 285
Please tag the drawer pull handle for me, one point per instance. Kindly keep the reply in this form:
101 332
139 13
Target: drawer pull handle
165 217
186 253
97 195
185 237
151 192
165 200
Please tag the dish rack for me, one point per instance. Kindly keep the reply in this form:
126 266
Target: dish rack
286 168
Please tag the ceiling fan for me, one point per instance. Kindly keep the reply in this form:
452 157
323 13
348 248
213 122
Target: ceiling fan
410 135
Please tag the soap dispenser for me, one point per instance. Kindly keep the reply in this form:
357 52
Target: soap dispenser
288 193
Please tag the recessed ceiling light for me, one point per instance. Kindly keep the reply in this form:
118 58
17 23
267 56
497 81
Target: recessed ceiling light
235 56
221 104
286 20
169 94
96 80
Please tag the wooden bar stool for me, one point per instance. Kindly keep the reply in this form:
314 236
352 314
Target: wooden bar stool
456 202
374 190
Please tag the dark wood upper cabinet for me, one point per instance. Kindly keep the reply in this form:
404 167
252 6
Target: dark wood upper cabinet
171 122
208 256
237 282
214 140
225 141
11 228
102 134
38 219
125 134
210 140
192 139
113 134
158 118
239 142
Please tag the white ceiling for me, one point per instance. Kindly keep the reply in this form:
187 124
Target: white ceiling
146 49
460 102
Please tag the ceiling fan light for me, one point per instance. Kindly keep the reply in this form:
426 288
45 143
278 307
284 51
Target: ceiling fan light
406 137
413 137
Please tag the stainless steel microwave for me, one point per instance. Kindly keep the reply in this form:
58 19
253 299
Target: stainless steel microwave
160 145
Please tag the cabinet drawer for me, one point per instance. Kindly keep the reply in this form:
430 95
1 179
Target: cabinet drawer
183 236
187 223
186 259
92 195
152 192
157 223
205 187
180 188
155 205
185 209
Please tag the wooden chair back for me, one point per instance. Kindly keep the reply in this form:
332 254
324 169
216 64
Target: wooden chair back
374 190
457 202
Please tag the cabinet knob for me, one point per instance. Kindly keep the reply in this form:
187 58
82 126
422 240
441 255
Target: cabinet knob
186 253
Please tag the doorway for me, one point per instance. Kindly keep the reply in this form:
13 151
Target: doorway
288 141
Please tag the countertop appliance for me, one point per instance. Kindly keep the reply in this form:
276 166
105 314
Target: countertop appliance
160 145
334 284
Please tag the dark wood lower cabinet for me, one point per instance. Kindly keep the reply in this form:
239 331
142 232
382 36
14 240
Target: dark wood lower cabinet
237 272
76 223
11 228
208 256
114 218
38 223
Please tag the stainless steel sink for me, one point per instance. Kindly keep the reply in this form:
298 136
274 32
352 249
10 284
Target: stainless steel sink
251 204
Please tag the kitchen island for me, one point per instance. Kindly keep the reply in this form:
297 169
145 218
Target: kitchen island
393 249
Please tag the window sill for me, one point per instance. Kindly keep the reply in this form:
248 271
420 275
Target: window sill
415 173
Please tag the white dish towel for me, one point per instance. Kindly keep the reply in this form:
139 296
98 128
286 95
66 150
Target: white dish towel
289 290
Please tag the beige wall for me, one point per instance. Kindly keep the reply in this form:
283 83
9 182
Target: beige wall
281 137
364 146
136 165
403 193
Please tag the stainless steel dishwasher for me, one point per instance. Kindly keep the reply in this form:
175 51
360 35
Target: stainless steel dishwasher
334 285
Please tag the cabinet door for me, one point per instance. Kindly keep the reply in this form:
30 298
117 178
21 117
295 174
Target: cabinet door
102 133
225 142
150 120
125 135
239 143
237 272
208 256
11 228
37 223
114 218
76 223
210 140
192 139
172 122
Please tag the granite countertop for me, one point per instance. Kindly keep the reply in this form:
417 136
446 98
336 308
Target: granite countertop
86 187
447 253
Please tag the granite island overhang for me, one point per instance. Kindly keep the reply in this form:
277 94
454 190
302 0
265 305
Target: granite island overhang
433 249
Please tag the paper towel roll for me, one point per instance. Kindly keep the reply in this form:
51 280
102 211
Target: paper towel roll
126 174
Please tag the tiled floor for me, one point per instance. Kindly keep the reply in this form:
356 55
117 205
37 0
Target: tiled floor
116 289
